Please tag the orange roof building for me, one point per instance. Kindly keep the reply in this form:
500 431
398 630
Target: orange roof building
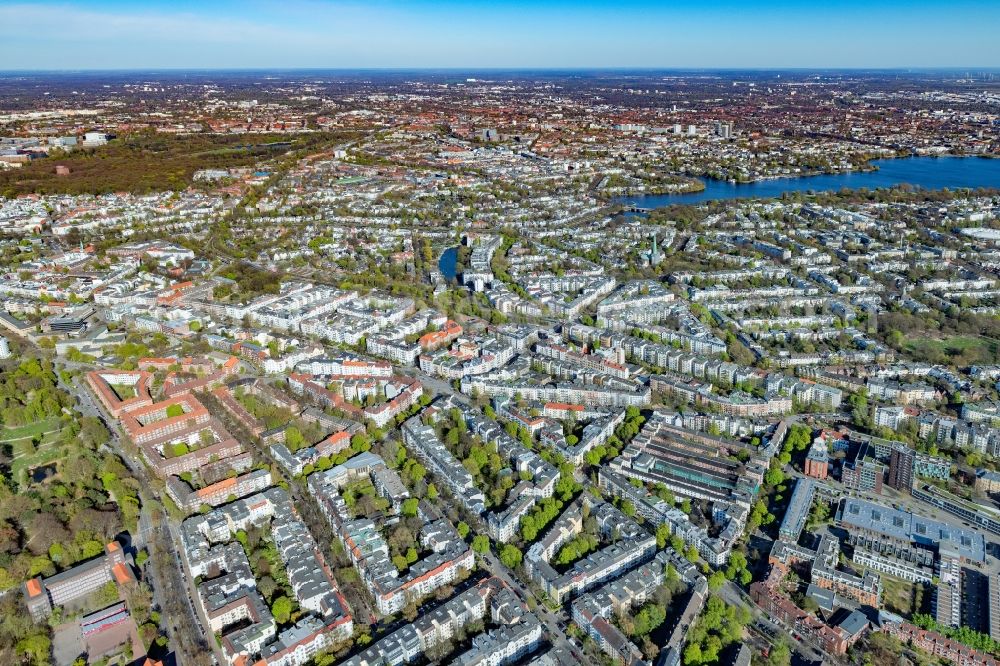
44 594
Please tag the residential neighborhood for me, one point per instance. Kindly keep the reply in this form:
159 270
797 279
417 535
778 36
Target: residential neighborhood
486 371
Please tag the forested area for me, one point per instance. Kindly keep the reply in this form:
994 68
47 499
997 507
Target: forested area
960 338
49 523
250 280
149 162
63 495
28 394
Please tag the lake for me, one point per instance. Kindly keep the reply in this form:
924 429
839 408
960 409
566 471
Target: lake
931 173
448 263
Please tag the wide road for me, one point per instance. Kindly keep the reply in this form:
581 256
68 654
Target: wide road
168 582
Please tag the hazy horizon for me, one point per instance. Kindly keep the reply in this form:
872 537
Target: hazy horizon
73 35
521 69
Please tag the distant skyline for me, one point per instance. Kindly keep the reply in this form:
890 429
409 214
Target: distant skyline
249 34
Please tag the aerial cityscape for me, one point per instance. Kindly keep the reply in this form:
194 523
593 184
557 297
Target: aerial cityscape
496 357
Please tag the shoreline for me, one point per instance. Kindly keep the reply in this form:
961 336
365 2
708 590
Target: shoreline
802 183
693 187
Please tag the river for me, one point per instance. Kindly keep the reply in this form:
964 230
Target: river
931 173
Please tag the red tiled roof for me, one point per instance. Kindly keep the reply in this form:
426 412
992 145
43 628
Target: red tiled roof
122 574
34 587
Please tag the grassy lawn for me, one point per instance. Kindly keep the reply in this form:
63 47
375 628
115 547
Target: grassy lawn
23 447
901 596
956 350
30 430
19 468
124 391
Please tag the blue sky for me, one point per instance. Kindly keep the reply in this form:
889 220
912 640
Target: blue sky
502 33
